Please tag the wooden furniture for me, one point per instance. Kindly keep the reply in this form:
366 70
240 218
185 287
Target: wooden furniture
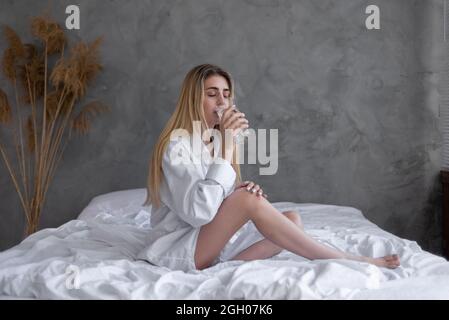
445 181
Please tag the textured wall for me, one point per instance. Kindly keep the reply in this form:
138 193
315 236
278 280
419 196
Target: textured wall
357 110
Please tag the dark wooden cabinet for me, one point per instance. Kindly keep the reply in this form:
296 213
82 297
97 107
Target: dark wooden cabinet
445 181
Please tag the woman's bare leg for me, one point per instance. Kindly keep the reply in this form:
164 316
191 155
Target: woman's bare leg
264 249
242 206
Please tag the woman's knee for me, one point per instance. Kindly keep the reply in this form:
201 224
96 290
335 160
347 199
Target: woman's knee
294 217
247 202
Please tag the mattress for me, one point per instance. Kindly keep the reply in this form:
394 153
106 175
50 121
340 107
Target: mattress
94 257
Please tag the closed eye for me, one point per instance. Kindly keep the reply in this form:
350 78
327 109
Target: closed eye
214 91
214 95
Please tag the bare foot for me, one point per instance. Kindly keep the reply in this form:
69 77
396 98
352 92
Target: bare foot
390 261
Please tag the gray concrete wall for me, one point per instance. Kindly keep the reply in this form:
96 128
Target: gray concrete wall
357 110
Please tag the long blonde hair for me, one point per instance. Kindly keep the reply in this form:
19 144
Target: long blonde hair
189 108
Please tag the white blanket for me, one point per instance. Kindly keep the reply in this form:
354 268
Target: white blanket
94 258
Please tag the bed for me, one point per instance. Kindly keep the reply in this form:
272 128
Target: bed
94 257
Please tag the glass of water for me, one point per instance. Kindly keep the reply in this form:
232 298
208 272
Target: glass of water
240 137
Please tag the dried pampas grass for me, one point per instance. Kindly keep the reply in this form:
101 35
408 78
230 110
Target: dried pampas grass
49 32
81 123
15 44
32 75
79 69
30 134
52 92
5 109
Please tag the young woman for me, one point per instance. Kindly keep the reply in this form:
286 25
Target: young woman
197 206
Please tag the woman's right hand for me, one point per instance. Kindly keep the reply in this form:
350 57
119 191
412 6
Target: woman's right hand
252 187
235 121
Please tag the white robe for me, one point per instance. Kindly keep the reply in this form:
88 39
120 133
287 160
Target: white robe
191 195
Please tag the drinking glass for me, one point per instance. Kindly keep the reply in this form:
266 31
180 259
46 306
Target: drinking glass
240 137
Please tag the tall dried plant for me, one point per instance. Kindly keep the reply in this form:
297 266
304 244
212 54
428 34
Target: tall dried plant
45 99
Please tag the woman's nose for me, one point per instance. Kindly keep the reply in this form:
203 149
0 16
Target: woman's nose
220 99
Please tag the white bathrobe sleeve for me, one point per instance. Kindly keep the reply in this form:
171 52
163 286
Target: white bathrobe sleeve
195 198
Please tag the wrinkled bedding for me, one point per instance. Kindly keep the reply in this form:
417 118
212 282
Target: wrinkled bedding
94 257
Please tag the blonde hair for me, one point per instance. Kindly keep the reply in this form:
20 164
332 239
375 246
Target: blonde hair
189 108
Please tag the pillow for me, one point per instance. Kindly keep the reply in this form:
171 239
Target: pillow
116 203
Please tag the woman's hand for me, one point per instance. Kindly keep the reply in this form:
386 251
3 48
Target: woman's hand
252 187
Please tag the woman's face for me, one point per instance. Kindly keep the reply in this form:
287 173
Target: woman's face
216 93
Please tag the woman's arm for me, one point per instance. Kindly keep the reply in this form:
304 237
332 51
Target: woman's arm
195 197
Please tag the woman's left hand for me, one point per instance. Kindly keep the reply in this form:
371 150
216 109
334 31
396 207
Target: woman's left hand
252 187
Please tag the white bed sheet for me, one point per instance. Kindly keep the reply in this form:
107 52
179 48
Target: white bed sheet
103 242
